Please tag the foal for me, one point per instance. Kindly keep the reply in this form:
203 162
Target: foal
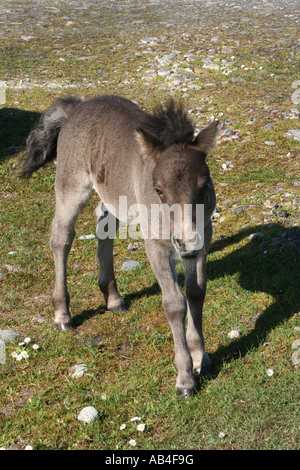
108 144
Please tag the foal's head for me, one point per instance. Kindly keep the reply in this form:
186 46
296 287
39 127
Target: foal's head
181 177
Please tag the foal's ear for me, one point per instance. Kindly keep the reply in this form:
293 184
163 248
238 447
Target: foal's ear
206 139
149 144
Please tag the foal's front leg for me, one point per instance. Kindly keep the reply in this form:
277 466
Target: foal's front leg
174 304
195 278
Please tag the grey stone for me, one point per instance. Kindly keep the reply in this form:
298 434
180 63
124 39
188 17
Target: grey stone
87 237
164 71
2 352
234 334
166 59
78 370
211 66
255 235
8 335
283 214
128 265
88 414
294 134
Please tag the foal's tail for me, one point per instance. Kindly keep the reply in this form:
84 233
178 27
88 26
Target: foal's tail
42 141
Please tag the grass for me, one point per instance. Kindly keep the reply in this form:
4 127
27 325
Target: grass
253 284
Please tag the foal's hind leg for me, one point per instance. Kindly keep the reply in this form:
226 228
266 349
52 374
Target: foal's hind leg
107 281
69 202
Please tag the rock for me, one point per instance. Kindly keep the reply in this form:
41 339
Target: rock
2 352
239 210
294 134
268 126
177 79
269 205
283 214
166 59
88 414
8 335
211 66
10 268
234 334
164 71
296 354
78 370
87 237
128 265
255 235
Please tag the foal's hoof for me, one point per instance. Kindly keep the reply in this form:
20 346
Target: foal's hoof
120 309
205 370
186 392
64 326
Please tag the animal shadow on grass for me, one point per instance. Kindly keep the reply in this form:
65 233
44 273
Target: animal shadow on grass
268 263
15 125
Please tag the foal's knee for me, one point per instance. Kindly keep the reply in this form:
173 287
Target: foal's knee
174 306
61 237
196 292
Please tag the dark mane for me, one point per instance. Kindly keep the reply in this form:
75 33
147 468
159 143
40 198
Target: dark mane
169 124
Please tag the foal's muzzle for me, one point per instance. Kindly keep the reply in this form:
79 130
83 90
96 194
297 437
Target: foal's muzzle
187 249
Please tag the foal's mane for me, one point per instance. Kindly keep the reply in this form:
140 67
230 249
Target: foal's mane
169 124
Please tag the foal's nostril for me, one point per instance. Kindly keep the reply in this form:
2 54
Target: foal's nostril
190 254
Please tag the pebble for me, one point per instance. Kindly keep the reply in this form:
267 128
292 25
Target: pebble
166 59
164 71
8 335
11 268
234 334
211 66
294 134
128 265
87 237
283 214
78 370
88 414
255 235
2 352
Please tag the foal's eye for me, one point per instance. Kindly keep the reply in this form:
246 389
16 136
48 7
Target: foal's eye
158 191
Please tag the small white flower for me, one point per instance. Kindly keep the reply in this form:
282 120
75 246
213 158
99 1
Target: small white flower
14 354
35 346
19 357
140 427
28 448
270 372
21 344
136 418
27 340
132 442
123 426
222 434
103 397
24 354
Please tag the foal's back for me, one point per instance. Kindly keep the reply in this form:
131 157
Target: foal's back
98 141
